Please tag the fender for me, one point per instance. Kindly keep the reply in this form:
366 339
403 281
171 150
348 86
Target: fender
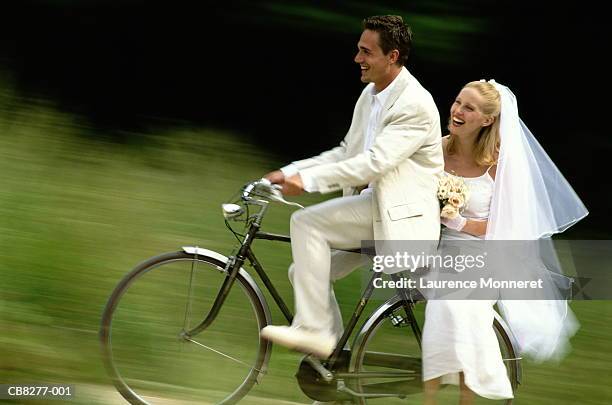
194 250
514 343
506 328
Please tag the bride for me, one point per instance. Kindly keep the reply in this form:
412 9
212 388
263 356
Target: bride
512 184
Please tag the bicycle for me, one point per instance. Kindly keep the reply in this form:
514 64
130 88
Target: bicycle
138 330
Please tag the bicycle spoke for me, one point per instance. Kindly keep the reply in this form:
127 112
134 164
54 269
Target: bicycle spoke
224 355
189 293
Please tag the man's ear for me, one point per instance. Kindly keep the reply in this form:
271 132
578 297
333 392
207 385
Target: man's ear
393 56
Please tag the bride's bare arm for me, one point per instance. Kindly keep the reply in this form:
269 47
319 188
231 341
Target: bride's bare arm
475 227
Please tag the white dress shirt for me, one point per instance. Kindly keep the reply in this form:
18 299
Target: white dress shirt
378 102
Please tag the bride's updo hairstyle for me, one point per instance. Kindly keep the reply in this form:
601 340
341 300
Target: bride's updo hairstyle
487 143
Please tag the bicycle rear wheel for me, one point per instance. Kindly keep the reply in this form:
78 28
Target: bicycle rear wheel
145 353
388 345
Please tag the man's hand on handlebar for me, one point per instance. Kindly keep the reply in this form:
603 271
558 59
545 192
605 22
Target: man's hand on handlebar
275 177
293 185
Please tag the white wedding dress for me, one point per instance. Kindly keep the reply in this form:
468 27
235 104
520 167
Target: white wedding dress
458 335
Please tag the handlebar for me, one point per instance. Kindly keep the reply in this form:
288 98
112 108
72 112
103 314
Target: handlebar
267 191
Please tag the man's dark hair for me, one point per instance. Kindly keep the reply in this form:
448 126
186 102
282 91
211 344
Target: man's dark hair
394 34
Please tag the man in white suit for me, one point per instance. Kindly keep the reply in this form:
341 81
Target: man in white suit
387 166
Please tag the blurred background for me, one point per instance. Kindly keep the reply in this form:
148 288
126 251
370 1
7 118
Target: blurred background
125 124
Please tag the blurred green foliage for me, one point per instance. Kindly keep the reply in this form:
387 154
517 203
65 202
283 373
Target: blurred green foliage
78 212
444 30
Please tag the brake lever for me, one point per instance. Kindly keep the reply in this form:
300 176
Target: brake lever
276 194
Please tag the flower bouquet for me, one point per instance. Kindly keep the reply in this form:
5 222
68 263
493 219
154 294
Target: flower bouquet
453 194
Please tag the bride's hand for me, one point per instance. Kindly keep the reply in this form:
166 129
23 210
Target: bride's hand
457 223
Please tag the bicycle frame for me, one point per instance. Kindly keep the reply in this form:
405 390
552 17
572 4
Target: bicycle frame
245 253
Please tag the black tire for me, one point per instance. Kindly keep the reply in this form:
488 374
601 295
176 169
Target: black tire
509 354
142 347
405 343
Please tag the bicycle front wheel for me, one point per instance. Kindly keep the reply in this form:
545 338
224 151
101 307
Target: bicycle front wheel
144 347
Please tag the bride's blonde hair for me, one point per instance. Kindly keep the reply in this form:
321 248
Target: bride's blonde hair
487 143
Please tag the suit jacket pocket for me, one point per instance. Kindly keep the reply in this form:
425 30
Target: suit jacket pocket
405 211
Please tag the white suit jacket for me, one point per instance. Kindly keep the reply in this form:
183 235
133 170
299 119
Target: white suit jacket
403 163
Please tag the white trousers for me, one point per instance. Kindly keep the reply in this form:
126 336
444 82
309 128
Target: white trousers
340 223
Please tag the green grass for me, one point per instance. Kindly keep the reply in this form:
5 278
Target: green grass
77 212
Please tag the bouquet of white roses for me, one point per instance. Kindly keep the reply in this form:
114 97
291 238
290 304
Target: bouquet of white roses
453 194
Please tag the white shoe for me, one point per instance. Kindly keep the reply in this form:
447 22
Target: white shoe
319 344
